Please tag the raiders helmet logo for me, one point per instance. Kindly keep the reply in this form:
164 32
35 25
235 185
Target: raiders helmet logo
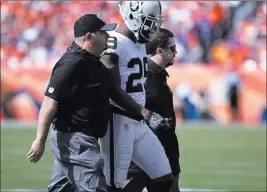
134 5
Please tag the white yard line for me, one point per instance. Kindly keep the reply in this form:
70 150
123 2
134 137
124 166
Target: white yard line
182 190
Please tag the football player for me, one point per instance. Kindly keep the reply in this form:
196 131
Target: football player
128 139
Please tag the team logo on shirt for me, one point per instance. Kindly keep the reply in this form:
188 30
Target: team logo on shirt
51 90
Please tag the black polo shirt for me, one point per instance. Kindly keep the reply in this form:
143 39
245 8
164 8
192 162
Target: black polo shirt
159 99
158 94
80 84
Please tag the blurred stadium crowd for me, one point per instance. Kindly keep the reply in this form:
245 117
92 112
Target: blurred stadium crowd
223 32
232 34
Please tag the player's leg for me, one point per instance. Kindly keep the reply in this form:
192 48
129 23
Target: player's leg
175 184
152 186
116 149
150 156
59 181
169 141
137 179
80 158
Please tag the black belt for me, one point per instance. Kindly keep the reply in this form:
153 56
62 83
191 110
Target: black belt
67 129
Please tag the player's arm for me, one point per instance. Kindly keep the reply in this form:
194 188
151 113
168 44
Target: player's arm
111 61
124 100
110 58
133 109
118 95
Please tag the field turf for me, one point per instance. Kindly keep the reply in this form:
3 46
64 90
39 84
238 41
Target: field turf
229 158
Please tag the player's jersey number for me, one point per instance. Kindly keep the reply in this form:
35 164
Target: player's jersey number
130 88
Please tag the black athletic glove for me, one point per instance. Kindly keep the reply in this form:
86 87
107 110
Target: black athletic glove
156 122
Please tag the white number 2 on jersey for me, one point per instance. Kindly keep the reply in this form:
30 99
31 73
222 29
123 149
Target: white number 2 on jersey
130 88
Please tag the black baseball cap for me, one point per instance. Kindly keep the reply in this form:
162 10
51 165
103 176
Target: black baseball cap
91 23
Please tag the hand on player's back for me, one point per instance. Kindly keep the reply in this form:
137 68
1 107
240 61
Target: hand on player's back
156 122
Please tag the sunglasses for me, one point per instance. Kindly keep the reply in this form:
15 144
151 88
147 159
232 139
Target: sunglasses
172 48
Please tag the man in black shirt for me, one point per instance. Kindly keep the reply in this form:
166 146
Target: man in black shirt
77 103
161 50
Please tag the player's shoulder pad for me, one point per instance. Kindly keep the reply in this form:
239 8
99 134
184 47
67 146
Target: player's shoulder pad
112 43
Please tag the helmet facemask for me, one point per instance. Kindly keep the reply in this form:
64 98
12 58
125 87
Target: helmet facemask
144 26
149 27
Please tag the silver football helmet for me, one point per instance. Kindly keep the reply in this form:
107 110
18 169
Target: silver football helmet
143 18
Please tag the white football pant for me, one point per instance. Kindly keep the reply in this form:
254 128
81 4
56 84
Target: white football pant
127 140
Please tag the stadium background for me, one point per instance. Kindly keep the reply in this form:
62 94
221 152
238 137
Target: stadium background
221 45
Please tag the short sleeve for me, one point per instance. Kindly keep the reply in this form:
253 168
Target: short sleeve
113 45
63 79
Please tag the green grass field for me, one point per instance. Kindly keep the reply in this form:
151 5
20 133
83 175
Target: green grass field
230 158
